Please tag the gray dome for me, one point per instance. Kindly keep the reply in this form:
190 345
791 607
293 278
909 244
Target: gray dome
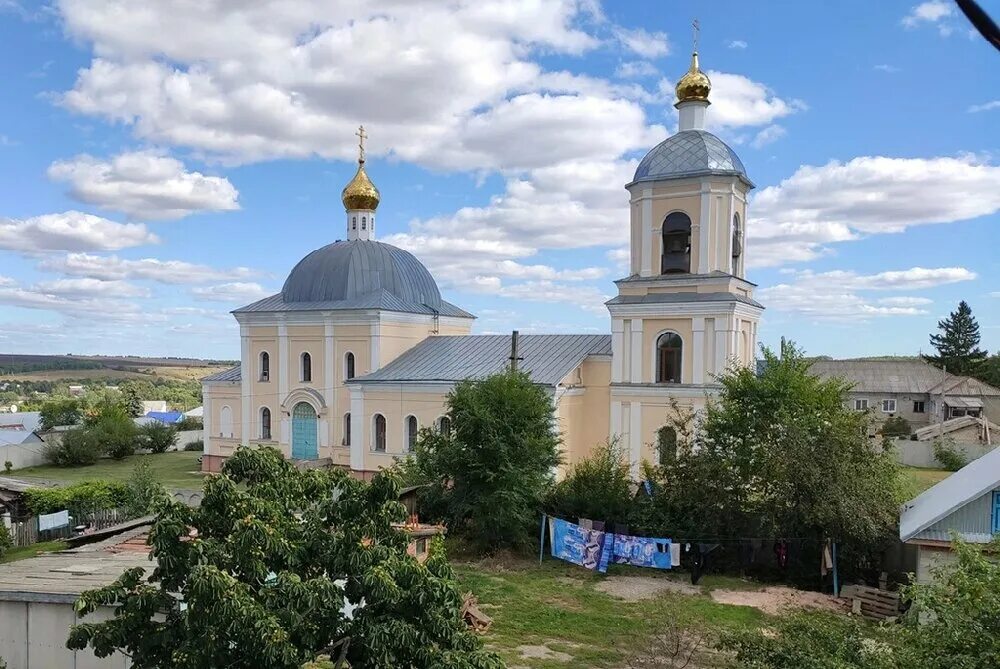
348 270
689 153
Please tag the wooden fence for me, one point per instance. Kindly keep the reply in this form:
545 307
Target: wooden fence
26 532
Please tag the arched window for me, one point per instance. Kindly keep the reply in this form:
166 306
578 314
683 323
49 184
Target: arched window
666 444
411 432
265 366
307 368
354 222
676 258
265 423
347 429
349 366
378 445
226 422
364 222
444 426
737 242
668 358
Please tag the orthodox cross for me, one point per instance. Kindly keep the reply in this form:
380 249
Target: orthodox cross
697 28
362 136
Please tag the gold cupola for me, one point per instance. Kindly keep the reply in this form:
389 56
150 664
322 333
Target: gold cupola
694 85
360 194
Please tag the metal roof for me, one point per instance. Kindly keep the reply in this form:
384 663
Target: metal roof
19 427
928 432
689 153
381 299
546 358
898 376
941 500
677 298
231 374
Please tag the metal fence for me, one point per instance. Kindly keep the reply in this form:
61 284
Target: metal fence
26 532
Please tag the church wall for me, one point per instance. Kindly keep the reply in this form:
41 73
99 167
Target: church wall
569 417
655 413
396 405
652 329
397 338
585 417
220 441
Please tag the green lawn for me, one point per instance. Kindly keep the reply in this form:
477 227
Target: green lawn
15 554
175 469
920 479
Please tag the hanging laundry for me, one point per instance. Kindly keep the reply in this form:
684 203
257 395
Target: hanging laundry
641 551
781 552
675 555
826 562
578 545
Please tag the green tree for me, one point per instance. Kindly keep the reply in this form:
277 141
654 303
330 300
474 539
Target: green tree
145 492
958 342
157 436
59 412
489 475
74 447
113 428
989 370
259 575
598 487
131 399
6 543
896 426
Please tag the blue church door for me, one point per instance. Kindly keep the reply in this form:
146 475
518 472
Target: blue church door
304 432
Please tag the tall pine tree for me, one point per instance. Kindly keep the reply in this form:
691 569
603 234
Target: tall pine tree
958 342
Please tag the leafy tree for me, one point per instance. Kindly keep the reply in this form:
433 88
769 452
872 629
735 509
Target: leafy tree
131 399
6 543
958 343
598 487
59 412
74 447
489 475
157 436
896 426
988 371
145 492
948 455
114 428
80 498
259 576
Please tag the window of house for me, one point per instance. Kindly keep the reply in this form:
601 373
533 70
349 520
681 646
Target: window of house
411 432
666 444
265 424
861 405
349 366
265 366
379 433
421 547
347 429
444 426
676 258
918 407
307 368
737 242
888 406
668 358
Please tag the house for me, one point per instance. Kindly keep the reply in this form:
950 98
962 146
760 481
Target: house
20 442
196 412
168 417
149 406
966 503
911 388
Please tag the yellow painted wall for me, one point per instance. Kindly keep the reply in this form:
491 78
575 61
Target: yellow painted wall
396 405
651 329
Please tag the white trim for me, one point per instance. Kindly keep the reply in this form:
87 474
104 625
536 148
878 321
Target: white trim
357 429
617 354
635 351
246 387
695 182
222 422
697 350
616 420
646 231
666 390
374 346
704 308
206 417
656 356
686 280
329 362
285 436
705 232
635 436
343 317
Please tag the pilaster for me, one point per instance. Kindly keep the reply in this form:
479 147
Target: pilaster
635 353
617 354
246 385
635 437
647 232
698 349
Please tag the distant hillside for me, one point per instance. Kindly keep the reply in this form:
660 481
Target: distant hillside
56 366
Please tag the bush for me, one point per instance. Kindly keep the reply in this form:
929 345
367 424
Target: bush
157 437
6 543
197 445
79 499
896 427
78 446
116 432
188 423
598 487
55 413
948 455
145 493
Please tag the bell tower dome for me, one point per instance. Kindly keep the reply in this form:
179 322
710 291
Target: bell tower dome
360 198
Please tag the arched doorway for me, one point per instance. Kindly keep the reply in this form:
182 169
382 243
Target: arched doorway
304 446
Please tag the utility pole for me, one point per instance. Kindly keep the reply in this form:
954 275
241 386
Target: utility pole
514 357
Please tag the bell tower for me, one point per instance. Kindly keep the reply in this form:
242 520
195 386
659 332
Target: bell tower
360 198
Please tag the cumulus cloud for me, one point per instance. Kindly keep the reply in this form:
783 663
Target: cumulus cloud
71 231
933 12
236 291
77 305
986 106
113 268
771 133
144 185
740 101
642 42
796 220
91 288
635 69
737 44
884 67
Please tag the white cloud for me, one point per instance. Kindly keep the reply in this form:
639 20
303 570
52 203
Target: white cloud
642 42
771 133
737 44
796 220
237 291
113 268
740 101
588 298
71 231
144 185
888 69
986 106
74 305
933 12
91 288
635 69
837 295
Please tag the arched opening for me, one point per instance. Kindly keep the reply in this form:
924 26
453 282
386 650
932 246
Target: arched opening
265 424
668 358
378 434
265 366
444 426
364 222
226 422
666 444
676 258
304 442
737 243
347 429
411 432
307 368
349 366
354 222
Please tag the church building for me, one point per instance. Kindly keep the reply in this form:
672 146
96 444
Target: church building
358 351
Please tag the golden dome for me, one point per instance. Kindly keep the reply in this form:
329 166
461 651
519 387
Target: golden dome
695 84
360 193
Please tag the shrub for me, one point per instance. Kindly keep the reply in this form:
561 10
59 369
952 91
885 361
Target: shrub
60 412
197 445
6 543
79 499
78 446
895 427
157 437
948 455
144 491
188 423
598 487
8 466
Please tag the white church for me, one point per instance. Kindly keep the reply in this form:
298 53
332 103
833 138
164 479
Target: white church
359 351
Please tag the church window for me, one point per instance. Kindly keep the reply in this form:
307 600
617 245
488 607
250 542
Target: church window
411 433
444 426
349 366
364 221
668 358
265 423
265 366
676 258
307 372
354 222
347 429
226 422
379 433
666 444
737 242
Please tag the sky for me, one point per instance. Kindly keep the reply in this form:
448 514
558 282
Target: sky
164 163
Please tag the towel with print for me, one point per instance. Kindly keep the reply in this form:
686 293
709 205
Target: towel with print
580 546
641 551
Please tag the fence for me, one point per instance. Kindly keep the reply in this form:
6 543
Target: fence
26 532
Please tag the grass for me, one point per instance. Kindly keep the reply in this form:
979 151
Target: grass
919 479
25 552
557 604
175 469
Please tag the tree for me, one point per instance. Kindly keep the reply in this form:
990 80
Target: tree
6 543
489 475
131 399
145 492
896 426
598 487
989 370
114 429
259 576
157 436
958 343
75 447
59 412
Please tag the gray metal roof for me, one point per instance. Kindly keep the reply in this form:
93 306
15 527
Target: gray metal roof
689 153
546 358
941 500
898 376
20 427
381 299
231 374
677 298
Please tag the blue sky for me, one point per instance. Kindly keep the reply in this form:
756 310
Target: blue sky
166 162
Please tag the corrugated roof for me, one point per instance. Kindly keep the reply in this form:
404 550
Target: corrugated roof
941 500
547 358
898 376
928 432
381 299
689 153
19 427
680 298
231 374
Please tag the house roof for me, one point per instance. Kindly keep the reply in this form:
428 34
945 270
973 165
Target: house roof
899 376
169 417
18 428
231 374
941 500
678 298
379 299
952 425
546 358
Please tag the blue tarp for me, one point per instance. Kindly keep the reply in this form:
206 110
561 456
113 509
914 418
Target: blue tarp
578 545
168 417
